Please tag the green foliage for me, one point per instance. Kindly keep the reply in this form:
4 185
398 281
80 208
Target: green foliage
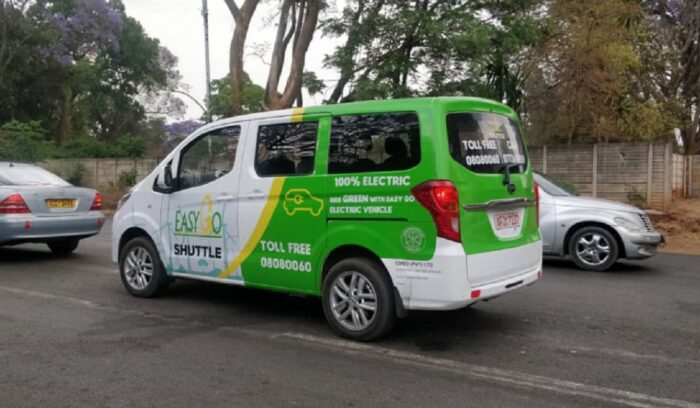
636 198
23 142
253 97
400 49
127 179
130 146
125 146
76 174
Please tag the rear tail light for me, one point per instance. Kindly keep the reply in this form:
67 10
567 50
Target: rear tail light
441 199
97 203
14 204
537 203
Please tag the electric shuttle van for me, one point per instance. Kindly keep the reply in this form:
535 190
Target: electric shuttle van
376 207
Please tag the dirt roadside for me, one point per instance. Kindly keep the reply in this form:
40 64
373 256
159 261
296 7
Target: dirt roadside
681 226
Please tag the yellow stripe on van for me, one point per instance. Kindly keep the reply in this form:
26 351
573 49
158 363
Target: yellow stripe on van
297 115
272 200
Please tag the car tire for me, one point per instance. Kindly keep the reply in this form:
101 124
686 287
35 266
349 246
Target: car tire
141 271
358 299
594 249
63 247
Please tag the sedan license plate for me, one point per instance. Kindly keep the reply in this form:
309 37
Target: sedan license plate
63 204
504 221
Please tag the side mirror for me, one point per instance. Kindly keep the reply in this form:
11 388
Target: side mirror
164 180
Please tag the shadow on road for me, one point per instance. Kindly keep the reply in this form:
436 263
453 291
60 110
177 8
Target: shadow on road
27 255
427 331
631 267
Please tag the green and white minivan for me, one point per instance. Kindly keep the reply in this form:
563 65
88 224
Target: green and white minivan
377 207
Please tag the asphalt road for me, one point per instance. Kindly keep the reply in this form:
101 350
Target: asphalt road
70 336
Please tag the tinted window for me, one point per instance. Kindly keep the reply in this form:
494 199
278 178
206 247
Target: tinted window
383 142
25 175
485 142
286 149
209 157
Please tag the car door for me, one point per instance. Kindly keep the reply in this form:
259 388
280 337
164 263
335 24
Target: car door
282 201
202 212
548 220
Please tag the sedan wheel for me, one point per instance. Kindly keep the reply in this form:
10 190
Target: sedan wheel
593 249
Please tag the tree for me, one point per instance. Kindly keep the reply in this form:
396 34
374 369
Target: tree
301 16
241 17
79 67
252 97
296 26
580 87
396 48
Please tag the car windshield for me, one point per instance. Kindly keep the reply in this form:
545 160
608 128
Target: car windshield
550 187
24 175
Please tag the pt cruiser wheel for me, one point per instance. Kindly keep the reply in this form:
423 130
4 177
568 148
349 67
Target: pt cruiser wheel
140 268
593 248
358 299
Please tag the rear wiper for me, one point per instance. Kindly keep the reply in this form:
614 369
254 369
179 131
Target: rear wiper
506 176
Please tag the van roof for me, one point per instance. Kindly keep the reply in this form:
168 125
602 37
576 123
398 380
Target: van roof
372 106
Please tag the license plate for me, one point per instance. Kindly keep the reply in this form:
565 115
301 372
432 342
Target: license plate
508 220
60 203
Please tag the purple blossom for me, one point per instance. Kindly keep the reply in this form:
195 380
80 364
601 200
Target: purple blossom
182 128
175 132
88 27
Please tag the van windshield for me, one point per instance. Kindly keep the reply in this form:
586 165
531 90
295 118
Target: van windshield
485 142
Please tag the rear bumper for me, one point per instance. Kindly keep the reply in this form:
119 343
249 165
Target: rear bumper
22 228
443 282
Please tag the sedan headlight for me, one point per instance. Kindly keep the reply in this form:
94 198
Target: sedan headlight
630 226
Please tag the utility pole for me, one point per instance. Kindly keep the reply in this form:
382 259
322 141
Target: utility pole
205 15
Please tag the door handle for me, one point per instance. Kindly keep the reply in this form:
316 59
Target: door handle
225 197
256 195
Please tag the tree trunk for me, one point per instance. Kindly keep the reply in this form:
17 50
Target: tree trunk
65 116
309 18
241 17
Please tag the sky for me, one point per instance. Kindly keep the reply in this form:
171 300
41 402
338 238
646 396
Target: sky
179 26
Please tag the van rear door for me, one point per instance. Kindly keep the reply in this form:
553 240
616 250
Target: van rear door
496 196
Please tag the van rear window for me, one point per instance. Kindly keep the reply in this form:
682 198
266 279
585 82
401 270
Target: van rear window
485 142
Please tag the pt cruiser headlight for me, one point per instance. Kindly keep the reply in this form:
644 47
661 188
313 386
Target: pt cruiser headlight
630 226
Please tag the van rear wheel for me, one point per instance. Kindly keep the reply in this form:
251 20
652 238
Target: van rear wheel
358 299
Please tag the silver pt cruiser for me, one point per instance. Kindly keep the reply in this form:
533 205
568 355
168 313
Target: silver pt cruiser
594 232
38 206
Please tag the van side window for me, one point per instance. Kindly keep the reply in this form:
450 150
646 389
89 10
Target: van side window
209 157
286 149
376 142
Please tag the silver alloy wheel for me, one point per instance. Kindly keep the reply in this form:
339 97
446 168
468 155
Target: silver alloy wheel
353 301
138 268
593 249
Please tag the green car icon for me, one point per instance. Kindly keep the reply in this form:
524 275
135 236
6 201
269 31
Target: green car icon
301 200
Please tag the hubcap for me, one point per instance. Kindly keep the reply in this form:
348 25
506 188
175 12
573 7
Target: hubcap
138 268
353 301
593 249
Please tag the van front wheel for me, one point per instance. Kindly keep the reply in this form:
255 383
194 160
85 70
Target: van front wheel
142 273
358 299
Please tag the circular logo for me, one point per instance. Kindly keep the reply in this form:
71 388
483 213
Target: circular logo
413 239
